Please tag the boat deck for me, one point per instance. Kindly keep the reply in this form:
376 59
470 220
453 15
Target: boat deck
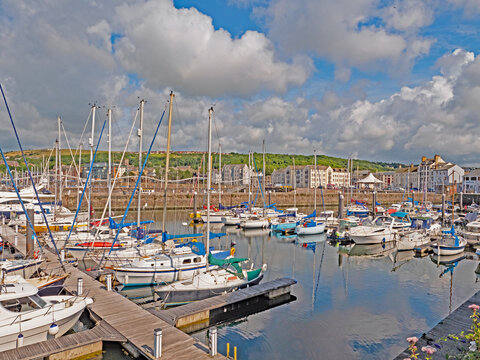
129 320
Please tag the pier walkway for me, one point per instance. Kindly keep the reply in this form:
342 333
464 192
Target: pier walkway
459 320
129 320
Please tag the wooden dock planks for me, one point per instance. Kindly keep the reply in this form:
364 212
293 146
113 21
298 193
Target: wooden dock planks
135 324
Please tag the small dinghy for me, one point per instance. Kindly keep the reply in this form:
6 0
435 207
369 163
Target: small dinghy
449 244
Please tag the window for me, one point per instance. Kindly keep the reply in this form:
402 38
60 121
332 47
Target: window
187 261
197 259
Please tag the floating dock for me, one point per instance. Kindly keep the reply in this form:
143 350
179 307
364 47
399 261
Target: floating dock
205 313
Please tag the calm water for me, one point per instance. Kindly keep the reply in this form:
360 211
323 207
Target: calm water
352 302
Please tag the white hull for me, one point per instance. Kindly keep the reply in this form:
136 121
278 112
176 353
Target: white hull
312 230
254 224
372 237
449 249
142 276
412 240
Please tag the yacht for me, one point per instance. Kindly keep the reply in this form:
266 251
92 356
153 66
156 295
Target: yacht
420 233
28 318
382 230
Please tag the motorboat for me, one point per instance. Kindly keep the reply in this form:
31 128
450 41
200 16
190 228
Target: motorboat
472 231
420 233
23 267
226 276
449 244
382 230
358 210
28 318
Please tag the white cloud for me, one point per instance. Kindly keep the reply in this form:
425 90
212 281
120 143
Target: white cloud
471 7
347 32
180 48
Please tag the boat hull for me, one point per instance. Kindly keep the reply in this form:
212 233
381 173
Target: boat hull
376 238
447 250
312 230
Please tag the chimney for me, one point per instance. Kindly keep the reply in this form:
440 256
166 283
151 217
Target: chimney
424 158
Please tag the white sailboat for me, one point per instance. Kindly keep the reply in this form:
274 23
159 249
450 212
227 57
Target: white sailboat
216 278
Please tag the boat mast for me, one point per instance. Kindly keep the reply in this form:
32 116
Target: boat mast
79 180
263 177
315 185
209 179
109 174
92 145
172 95
140 134
220 172
294 179
249 180
56 180
59 121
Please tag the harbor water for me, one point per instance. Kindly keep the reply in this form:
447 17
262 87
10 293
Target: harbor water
350 302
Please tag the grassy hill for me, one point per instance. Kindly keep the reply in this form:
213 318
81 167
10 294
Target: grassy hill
195 160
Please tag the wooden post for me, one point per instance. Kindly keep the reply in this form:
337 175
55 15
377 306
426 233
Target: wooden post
29 244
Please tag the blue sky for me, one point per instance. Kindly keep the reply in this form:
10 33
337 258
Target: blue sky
379 80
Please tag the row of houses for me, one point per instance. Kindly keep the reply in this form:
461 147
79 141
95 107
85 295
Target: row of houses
309 176
431 174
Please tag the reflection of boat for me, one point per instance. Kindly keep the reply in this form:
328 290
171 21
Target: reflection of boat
371 250
447 259
311 238
140 295
449 244
255 232
35 318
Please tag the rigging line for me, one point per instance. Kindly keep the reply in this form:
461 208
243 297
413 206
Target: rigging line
85 186
47 163
116 175
84 128
320 268
70 149
31 177
135 188
20 198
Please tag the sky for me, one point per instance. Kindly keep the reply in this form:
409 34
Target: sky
371 79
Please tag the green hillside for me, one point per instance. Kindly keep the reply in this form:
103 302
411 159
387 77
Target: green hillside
195 160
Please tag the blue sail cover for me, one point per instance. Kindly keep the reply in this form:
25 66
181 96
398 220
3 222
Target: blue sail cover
312 215
115 225
166 236
216 235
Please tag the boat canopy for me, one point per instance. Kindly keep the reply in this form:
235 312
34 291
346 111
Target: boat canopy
399 214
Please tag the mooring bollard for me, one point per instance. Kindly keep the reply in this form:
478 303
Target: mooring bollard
62 255
228 350
157 343
109 282
3 220
235 353
213 341
79 286
16 240
16 229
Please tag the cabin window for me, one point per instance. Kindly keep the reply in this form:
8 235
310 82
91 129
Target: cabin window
197 259
187 261
33 302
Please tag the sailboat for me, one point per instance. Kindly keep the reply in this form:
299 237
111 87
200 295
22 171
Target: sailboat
217 278
449 244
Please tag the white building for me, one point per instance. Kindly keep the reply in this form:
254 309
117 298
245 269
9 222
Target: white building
471 181
236 174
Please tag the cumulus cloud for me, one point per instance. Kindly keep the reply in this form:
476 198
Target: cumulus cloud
180 48
349 33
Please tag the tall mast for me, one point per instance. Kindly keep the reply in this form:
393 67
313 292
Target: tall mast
56 180
249 180
209 177
315 184
220 172
294 179
92 145
79 181
167 160
109 174
59 159
263 176
140 135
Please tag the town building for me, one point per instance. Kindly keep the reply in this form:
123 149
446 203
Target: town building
471 181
